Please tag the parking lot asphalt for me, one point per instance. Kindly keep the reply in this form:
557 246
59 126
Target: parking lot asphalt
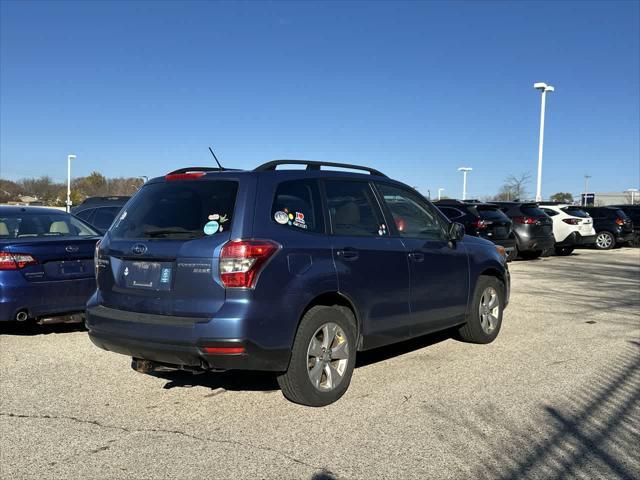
557 395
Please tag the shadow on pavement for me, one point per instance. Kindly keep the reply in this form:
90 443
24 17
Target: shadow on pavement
595 433
239 380
30 328
234 380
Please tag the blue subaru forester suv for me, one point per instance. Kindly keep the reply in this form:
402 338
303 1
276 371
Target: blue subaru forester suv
287 270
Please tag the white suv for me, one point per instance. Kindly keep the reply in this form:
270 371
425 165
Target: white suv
572 226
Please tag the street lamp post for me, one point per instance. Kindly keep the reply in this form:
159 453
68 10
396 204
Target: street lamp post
586 190
464 171
632 191
440 190
544 88
69 158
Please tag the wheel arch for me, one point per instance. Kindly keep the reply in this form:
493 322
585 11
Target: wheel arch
330 299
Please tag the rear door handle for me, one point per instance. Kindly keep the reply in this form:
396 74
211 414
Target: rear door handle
416 256
348 254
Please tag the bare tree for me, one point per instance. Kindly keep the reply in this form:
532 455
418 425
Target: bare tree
513 188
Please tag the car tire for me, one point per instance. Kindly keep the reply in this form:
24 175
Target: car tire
564 251
530 254
605 241
512 255
479 327
316 377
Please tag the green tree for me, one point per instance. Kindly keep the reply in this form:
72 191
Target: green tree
564 197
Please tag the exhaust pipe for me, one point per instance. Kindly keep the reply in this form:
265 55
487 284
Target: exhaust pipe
22 316
142 366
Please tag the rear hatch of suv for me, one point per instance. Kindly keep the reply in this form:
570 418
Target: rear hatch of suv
497 226
585 225
538 223
161 254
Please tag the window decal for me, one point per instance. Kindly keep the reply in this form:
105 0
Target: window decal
215 224
281 217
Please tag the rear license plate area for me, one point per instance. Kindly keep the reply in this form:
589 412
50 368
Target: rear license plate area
147 275
71 268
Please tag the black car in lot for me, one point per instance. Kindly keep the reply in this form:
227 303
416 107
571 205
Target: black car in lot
99 212
532 227
633 212
613 227
481 220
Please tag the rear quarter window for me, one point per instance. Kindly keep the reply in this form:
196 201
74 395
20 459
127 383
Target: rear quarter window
297 205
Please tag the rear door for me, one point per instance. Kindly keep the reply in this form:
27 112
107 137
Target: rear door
439 269
371 264
161 254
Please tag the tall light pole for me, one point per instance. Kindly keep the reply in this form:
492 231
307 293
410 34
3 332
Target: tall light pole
440 190
69 158
586 189
632 191
464 171
544 88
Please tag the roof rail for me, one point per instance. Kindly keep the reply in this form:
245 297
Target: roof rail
314 165
449 201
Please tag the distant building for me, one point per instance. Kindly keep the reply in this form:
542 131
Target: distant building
603 199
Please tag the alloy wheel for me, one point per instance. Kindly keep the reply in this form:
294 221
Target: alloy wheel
603 240
327 357
489 309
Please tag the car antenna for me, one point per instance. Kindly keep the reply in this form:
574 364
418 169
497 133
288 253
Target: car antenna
216 159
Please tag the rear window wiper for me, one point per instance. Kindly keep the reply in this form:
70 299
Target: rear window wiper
157 232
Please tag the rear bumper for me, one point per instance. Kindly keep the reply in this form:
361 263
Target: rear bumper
42 299
624 237
536 243
508 243
176 343
575 239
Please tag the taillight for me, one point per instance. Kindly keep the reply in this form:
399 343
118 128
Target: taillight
184 176
242 260
525 220
480 224
96 256
15 261
619 221
571 221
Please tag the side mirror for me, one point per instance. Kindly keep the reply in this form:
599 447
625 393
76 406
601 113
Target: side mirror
456 231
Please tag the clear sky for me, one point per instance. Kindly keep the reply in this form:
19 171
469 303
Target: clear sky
414 89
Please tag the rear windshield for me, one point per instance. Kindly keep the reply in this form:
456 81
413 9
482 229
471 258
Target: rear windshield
178 209
492 213
532 211
29 225
575 212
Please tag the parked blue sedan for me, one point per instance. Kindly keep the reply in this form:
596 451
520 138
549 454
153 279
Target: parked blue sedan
46 263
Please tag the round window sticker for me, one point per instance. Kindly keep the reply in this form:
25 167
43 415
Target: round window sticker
281 217
211 227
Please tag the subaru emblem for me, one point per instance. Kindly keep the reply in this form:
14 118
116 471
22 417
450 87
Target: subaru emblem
139 248
72 248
